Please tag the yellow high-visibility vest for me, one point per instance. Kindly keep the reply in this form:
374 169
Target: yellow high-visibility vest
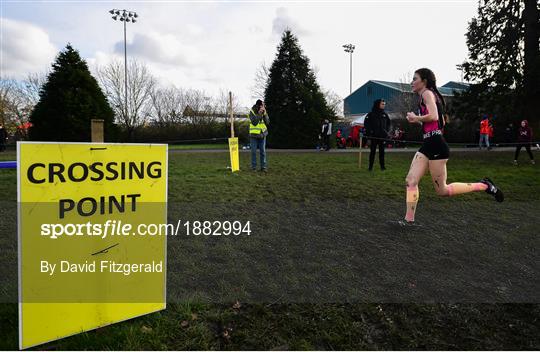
257 129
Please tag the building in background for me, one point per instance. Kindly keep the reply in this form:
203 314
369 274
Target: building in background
398 96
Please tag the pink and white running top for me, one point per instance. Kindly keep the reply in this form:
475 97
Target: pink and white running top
423 110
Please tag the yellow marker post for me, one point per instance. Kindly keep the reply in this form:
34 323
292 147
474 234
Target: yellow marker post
79 269
233 150
233 141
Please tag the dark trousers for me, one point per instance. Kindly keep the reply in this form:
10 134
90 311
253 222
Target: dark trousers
373 150
326 142
261 144
2 146
527 147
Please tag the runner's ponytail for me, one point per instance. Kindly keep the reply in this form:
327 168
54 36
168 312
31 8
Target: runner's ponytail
431 83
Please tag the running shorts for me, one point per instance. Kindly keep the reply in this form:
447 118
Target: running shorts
435 148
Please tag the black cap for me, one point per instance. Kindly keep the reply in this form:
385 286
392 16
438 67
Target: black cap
258 102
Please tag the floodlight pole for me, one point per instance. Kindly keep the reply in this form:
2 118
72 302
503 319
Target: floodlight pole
349 48
125 16
350 74
125 71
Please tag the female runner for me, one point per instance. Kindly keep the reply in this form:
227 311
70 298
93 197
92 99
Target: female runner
434 152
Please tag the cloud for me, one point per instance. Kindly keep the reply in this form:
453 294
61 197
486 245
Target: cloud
161 49
217 44
194 30
102 59
254 29
180 76
25 49
283 21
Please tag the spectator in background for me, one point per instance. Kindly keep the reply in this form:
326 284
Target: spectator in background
491 131
396 138
354 136
341 142
364 139
484 132
319 143
377 125
3 138
326 132
524 139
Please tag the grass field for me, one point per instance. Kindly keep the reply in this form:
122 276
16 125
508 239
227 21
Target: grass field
326 266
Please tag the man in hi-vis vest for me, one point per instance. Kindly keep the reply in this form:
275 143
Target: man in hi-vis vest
258 130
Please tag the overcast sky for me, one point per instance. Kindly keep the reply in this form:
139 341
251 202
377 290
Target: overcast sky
219 45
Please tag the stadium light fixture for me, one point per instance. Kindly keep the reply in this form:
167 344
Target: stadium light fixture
124 16
349 48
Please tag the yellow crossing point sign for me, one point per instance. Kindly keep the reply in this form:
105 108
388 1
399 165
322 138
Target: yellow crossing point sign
90 253
233 150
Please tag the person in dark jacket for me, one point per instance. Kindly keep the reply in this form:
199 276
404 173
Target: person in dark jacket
326 132
3 138
524 140
377 124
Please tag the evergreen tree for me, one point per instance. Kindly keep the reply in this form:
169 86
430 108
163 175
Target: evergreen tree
293 98
69 99
504 61
531 60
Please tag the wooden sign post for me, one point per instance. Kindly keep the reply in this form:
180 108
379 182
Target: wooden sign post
233 142
96 126
231 112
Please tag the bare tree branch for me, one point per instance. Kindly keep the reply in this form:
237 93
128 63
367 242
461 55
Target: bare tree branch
334 101
405 101
18 98
261 78
140 87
